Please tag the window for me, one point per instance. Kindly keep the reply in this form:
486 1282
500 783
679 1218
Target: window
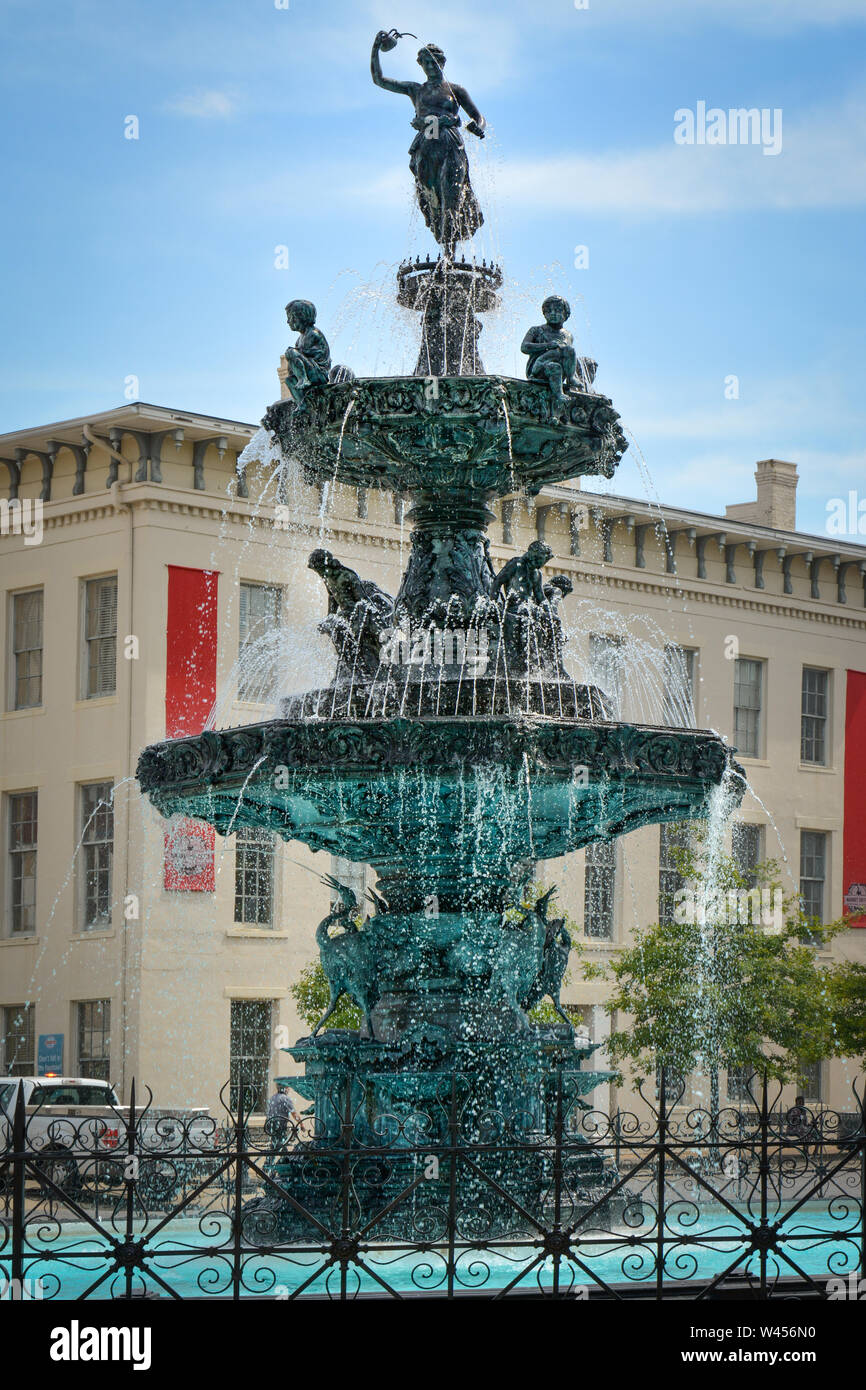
739 1081
27 649
22 862
679 693
19 1040
813 872
100 637
748 692
814 715
260 606
250 1052
810 1081
254 877
606 659
675 1083
97 851
747 849
598 890
64 1094
94 1038
351 875
671 881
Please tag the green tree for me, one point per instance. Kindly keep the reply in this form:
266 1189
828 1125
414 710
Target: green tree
311 993
847 988
719 986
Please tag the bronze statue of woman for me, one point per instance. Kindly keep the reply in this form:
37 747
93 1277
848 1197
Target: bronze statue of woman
437 156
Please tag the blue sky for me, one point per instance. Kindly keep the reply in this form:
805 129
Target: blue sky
259 127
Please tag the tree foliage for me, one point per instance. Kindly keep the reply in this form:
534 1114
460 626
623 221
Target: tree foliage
847 988
719 988
312 995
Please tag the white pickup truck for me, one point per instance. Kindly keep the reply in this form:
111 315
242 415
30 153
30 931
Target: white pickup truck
78 1129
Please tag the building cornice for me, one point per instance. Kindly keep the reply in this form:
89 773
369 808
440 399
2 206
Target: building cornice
373 535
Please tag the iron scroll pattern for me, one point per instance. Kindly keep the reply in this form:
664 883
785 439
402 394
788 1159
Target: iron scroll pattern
695 1204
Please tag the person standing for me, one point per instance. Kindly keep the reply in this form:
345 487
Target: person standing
280 1111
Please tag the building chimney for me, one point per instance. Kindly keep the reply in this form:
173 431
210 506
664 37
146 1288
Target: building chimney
776 504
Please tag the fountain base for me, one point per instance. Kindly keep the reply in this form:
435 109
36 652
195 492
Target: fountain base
402 1115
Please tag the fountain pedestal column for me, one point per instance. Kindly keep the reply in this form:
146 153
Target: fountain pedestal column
448 295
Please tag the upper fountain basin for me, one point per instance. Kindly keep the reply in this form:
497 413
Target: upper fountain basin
488 435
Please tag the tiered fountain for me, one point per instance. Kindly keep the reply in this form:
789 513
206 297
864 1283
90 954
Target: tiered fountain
452 750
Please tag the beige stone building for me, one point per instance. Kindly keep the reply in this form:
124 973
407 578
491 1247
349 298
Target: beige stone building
104 969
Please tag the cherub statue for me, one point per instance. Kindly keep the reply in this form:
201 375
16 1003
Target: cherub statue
308 363
550 349
346 589
358 614
521 575
559 588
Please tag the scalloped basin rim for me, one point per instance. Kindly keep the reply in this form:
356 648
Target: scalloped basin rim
547 743
493 434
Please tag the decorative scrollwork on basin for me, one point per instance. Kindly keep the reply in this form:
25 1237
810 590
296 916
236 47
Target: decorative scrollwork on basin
548 745
403 434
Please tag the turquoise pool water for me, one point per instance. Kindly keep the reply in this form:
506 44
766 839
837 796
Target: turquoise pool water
818 1244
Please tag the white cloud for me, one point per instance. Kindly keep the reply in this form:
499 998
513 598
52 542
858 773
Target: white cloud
822 164
776 15
213 105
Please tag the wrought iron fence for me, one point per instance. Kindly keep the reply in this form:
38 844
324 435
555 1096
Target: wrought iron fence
750 1201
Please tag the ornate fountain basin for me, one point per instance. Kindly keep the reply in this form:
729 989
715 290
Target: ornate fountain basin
488 435
447 806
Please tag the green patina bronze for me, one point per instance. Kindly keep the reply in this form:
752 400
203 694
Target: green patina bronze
452 774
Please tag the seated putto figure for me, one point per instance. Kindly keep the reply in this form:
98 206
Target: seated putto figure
552 357
559 588
308 363
521 575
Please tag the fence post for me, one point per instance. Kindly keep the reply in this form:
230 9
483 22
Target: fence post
557 1177
19 1175
765 1177
346 1128
660 1186
452 1184
130 1183
240 1126
862 1138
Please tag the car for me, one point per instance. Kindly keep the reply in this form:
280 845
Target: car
77 1133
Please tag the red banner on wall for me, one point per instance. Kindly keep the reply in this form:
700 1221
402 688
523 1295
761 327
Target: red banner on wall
190 691
854 832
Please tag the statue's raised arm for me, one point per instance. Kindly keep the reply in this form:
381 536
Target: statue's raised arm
385 41
437 156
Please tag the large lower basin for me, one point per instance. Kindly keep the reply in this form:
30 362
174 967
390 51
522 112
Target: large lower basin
439 799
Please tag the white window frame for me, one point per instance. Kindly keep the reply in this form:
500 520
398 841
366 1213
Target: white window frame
610 848
84 692
8 799
247 696
690 656
760 741
12 674
828 697
83 927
